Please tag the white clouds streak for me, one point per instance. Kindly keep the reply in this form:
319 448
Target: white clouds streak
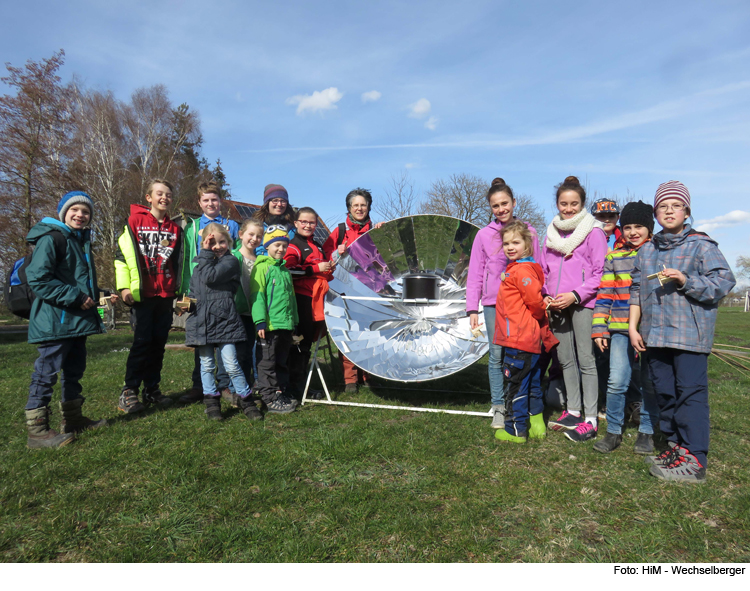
733 218
420 109
371 96
320 100
431 123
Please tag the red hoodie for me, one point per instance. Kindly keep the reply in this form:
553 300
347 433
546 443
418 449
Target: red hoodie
158 244
304 275
520 313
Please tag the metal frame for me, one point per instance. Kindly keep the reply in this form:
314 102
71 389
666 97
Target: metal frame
315 364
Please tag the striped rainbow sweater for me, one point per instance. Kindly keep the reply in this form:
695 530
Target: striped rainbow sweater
612 308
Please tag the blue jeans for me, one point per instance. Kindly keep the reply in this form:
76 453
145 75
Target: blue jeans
621 363
495 363
228 354
523 390
68 355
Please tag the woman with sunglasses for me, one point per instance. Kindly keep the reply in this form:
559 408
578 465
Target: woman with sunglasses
275 211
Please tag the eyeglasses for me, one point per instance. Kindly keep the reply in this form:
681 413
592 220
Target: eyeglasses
277 201
675 207
306 223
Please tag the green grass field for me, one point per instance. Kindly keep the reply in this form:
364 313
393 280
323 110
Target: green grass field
350 484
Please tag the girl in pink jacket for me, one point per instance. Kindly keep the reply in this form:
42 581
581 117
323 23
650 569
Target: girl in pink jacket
574 254
486 265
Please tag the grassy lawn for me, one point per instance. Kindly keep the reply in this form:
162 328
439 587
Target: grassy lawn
352 484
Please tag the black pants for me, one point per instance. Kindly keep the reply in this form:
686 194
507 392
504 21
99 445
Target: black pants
245 352
299 355
153 318
272 353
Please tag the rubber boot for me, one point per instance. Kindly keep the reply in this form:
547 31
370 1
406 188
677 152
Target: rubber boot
73 420
249 408
213 407
40 435
503 435
537 427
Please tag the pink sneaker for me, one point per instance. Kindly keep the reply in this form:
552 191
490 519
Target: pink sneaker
566 421
583 432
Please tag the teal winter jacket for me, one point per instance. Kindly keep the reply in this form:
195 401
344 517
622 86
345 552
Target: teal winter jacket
61 288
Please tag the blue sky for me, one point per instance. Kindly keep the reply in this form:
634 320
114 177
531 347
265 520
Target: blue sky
326 96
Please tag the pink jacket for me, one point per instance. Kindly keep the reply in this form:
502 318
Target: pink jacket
580 271
487 264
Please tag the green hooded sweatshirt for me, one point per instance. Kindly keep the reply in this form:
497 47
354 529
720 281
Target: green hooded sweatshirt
272 300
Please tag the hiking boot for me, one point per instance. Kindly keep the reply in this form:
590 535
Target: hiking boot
498 416
665 457
566 422
281 405
156 397
503 435
537 428
683 468
634 412
193 395
583 432
129 402
350 388
644 444
40 435
230 397
213 407
73 420
249 409
609 444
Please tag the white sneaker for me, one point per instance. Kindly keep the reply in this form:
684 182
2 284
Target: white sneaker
498 416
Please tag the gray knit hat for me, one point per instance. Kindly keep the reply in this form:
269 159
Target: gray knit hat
71 199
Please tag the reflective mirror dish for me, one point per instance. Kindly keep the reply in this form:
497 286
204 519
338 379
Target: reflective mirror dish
414 339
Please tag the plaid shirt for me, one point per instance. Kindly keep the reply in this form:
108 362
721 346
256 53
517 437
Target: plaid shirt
680 318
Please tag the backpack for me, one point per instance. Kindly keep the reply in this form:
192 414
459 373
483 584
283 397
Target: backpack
342 233
18 295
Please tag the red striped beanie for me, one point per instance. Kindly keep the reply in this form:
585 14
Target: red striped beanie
672 190
274 192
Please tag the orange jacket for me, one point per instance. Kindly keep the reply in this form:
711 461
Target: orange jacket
520 313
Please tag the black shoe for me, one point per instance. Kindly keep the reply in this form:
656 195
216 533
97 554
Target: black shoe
157 398
316 394
193 395
249 409
609 444
213 407
644 444
281 405
350 388
129 402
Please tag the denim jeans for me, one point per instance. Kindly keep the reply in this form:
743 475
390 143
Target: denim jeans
228 354
621 362
221 374
523 390
68 355
495 362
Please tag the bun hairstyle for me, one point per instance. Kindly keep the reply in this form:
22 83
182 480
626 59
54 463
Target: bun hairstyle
571 183
498 186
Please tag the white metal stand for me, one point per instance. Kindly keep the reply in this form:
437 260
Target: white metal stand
315 364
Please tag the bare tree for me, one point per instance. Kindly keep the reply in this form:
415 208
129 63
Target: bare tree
400 198
528 210
463 196
743 267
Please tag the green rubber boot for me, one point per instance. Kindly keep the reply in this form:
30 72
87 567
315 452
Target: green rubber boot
537 427
503 435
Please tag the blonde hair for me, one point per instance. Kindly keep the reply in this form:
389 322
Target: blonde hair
250 222
520 228
214 228
153 182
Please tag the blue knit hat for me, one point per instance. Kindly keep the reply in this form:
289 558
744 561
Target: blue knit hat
71 199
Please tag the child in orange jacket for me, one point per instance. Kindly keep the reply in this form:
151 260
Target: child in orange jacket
521 327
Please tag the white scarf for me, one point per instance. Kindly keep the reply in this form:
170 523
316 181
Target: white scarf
581 225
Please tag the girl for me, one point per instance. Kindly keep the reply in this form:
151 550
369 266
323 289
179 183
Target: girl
215 322
311 273
486 265
275 211
677 313
520 326
573 261
609 333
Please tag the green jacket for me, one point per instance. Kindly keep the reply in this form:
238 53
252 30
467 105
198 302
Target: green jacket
274 306
61 289
190 243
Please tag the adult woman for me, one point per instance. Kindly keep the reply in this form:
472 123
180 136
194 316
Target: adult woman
358 205
487 264
275 211
574 255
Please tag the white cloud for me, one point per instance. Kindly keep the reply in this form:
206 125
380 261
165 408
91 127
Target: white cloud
733 218
431 123
409 165
370 96
320 100
420 109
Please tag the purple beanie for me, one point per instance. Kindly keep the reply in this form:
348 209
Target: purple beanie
274 192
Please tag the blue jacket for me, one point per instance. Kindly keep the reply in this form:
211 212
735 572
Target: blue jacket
680 318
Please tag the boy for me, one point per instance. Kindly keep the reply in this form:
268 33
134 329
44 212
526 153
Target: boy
147 275
677 311
63 278
274 309
608 213
610 333
209 199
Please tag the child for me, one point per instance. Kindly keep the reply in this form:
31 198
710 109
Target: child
609 331
520 326
209 200
251 235
310 274
573 261
215 323
677 314
607 212
147 274
275 316
275 211
63 278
